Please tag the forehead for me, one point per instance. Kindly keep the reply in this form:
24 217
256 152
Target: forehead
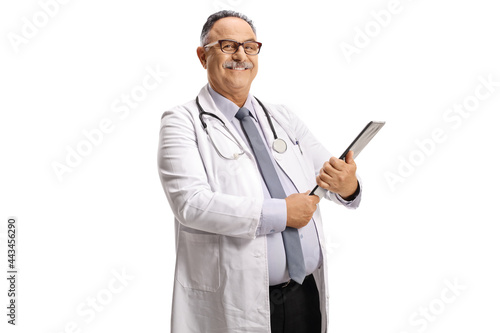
231 28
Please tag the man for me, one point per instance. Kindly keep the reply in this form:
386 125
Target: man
237 174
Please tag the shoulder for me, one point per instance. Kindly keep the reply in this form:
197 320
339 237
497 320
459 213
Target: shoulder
184 111
280 112
189 110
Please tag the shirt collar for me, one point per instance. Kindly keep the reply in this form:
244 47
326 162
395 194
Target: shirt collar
227 107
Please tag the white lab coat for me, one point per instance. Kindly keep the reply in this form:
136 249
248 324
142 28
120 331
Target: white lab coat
221 273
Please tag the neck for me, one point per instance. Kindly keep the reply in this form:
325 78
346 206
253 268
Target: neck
239 98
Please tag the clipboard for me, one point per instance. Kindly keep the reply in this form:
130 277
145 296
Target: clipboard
363 138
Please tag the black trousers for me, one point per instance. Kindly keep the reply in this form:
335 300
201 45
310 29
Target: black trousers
295 308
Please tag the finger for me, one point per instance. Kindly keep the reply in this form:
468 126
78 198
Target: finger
330 182
332 175
349 159
329 169
336 163
315 199
307 192
321 183
326 178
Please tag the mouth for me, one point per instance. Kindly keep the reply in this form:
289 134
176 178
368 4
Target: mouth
237 66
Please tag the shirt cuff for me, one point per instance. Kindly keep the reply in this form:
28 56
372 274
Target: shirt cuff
272 217
352 199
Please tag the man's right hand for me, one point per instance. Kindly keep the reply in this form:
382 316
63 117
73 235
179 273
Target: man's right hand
300 208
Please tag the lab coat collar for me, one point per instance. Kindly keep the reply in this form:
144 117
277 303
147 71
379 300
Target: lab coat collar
227 107
208 104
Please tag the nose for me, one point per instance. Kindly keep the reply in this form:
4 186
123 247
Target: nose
239 54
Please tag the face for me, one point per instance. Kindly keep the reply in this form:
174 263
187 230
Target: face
229 80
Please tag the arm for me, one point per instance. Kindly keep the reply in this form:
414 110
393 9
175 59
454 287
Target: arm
350 187
186 185
295 211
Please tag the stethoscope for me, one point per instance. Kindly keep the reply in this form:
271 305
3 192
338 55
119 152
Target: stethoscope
279 145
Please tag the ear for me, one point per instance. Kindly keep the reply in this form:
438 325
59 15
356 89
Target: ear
200 51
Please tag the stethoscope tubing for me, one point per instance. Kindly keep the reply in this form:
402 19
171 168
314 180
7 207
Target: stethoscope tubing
279 145
203 113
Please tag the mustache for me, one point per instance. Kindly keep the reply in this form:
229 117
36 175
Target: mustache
238 65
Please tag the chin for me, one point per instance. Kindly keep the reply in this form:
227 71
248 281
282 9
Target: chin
238 82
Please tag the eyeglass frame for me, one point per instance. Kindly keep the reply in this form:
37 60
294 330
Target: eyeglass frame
239 44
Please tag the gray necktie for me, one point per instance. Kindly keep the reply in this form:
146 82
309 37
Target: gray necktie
291 240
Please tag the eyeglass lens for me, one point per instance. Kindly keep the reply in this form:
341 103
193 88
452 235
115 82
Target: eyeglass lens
228 46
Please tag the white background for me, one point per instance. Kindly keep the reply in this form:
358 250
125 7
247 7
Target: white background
387 259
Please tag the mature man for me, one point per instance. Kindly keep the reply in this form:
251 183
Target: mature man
249 239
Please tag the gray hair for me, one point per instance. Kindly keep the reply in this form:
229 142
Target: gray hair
220 15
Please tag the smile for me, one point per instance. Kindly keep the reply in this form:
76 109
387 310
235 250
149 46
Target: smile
237 66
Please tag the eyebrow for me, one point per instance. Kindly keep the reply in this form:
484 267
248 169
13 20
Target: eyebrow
248 40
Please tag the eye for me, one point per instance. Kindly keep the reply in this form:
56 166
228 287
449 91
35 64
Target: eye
228 46
251 47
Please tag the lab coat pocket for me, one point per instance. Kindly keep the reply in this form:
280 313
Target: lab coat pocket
198 261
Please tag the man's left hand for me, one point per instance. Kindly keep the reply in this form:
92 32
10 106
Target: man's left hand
339 176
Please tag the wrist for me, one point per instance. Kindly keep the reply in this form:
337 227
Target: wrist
351 195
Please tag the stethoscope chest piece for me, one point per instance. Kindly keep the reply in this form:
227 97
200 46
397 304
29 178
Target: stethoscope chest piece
279 145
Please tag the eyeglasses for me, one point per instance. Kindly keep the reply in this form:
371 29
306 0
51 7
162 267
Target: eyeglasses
230 46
